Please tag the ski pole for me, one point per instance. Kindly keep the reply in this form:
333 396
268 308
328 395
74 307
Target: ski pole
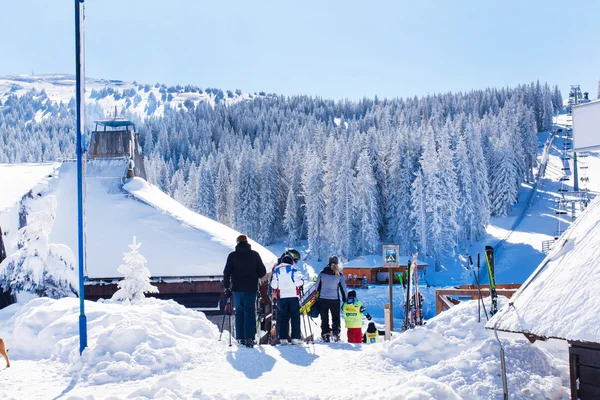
223 322
230 328
478 286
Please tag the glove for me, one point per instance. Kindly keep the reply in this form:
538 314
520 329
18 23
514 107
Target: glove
368 316
227 293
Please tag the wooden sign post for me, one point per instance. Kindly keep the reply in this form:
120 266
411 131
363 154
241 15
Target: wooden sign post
390 260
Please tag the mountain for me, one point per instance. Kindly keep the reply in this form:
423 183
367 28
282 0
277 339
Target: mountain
134 98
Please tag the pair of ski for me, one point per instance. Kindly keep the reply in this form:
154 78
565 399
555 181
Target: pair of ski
413 312
490 259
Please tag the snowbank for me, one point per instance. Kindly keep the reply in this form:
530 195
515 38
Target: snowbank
16 180
125 342
454 350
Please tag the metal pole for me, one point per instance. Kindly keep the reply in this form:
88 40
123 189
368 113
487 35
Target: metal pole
575 174
80 104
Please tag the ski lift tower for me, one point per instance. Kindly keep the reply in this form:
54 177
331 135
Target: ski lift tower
575 97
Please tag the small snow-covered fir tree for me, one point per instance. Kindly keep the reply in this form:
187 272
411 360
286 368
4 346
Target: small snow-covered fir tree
40 267
137 276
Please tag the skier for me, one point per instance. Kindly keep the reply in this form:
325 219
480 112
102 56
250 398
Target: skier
373 335
243 270
287 281
353 311
329 284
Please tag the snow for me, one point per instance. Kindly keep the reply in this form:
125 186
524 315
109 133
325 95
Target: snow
61 88
177 241
561 298
159 349
16 180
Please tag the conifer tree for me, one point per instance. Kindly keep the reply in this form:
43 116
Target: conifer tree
136 279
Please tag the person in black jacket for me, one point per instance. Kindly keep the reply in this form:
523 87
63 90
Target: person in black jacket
242 272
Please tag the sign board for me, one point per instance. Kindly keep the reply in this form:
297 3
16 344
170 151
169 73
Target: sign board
586 127
390 256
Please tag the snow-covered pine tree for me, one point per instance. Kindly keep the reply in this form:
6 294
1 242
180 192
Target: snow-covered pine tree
269 197
136 279
464 178
479 184
206 188
293 216
192 189
222 184
312 189
503 182
40 267
418 213
367 207
246 201
344 204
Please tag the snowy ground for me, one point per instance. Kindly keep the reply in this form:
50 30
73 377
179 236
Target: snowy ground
159 350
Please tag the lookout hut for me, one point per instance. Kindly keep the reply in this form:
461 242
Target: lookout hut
116 138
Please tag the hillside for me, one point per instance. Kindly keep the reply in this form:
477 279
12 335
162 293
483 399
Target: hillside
141 100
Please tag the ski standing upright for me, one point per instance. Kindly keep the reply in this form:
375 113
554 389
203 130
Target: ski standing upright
489 256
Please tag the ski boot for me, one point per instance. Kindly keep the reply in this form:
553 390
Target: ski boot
297 341
283 341
326 337
249 343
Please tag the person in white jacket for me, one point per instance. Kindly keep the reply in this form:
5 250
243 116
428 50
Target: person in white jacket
287 281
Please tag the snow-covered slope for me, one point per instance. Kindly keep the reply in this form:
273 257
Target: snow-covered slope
158 349
126 96
176 241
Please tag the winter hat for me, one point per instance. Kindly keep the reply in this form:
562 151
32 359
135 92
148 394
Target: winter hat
352 294
242 238
372 328
333 260
287 259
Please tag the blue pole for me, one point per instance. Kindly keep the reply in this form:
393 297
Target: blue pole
80 104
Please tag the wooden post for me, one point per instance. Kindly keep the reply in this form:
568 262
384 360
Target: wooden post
387 316
391 305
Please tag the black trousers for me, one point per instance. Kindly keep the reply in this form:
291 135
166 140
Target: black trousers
325 307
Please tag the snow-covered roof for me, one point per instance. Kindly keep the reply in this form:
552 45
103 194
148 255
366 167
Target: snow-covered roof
176 241
561 298
374 261
16 180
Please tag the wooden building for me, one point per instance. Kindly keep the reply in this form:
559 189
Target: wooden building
560 300
116 138
368 271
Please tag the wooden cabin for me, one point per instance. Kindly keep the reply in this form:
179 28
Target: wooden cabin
361 273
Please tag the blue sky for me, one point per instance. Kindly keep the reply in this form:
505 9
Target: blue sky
329 48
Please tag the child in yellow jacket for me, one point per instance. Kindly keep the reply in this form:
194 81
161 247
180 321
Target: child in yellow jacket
353 311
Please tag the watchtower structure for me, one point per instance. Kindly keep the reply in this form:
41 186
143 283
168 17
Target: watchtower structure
117 138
